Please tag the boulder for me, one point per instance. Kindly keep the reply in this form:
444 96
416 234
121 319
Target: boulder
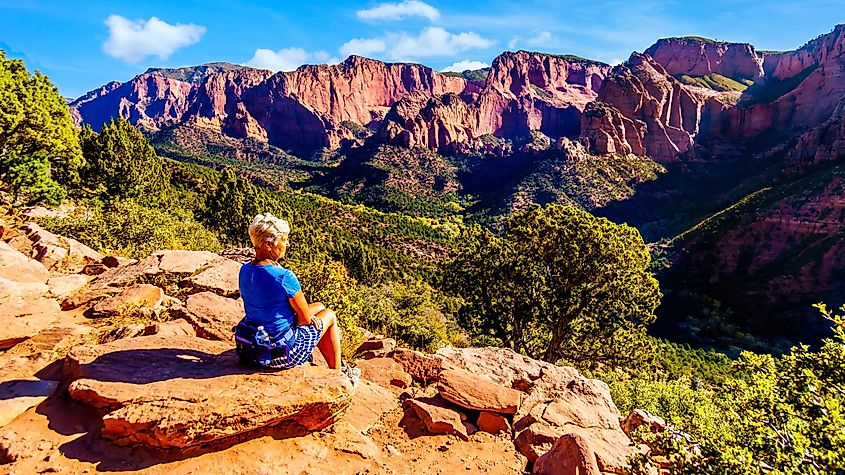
18 395
62 286
535 440
179 392
59 253
385 372
474 392
19 268
13 291
557 400
376 348
500 365
423 368
130 299
640 417
21 319
163 266
571 454
211 315
437 417
220 278
88 295
493 423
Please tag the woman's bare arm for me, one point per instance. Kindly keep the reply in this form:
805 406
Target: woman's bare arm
305 311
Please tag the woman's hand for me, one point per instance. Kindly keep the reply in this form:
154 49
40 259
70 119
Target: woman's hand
305 312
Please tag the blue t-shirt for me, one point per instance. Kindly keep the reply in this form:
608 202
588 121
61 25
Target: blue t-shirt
266 290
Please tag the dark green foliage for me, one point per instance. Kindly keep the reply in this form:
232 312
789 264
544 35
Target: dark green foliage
121 164
233 206
559 285
716 82
784 414
360 261
410 311
415 181
470 74
125 227
38 144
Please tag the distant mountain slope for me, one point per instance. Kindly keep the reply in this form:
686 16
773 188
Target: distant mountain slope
669 139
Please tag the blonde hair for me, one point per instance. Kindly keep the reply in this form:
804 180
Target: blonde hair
266 226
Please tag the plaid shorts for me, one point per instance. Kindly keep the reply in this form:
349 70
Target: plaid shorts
304 341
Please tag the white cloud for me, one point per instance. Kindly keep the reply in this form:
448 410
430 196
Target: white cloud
285 59
288 59
362 47
434 41
540 39
512 43
133 41
399 11
325 57
462 66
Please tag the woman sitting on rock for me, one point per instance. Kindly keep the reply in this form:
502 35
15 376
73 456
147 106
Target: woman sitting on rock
281 329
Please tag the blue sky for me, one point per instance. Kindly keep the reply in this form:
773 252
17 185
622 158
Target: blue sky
82 45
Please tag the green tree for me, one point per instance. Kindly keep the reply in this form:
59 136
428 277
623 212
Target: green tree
560 284
781 415
233 206
122 164
38 142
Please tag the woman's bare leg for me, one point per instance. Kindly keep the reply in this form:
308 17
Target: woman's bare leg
329 343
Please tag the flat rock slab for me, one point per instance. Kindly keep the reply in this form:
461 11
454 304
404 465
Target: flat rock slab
502 365
437 417
18 395
58 252
20 319
385 372
20 268
422 367
62 286
164 266
369 403
221 278
471 391
181 391
130 299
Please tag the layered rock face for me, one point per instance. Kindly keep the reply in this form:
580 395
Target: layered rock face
302 110
701 57
523 92
318 106
149 101
793 91
645 111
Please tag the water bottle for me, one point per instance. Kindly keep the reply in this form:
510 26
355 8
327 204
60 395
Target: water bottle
261 337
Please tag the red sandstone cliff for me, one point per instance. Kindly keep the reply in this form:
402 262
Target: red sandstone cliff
702 57
302 110
523 92
644 110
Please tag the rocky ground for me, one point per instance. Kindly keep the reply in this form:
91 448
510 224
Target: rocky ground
118 365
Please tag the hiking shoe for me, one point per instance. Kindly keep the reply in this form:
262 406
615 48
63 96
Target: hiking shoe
354 374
